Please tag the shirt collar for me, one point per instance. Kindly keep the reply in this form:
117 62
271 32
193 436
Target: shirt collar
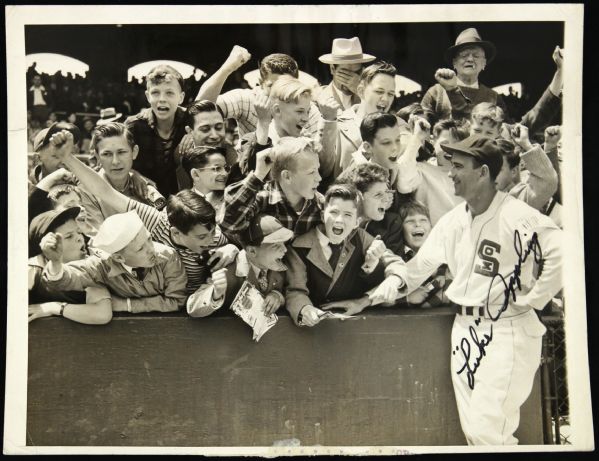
201 194
473 85
322 238
148 115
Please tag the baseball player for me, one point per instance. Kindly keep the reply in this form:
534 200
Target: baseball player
506 261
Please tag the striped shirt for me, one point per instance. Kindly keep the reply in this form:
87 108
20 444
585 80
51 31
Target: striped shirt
239 104
159 227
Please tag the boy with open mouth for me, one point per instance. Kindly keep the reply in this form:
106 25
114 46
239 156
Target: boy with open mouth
261 264
338 265
372 181
159 129
285 113
141 275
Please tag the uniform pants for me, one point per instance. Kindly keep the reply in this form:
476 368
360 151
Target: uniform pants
490 412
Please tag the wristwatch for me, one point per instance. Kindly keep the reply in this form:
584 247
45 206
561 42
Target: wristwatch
62 306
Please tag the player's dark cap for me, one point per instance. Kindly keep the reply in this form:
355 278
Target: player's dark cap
43 137
48 222
484 149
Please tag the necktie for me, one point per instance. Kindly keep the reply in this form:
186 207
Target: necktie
262 281
335 253
139 273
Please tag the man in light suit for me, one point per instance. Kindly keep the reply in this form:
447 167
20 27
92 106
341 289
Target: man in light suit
346 61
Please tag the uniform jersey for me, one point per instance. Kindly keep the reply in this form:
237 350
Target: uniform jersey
478 249
509 245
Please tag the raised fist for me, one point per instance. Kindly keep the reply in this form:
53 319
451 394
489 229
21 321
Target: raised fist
558 57
519 134
422 128
262 105
62 144
447 78
237 58
52 246
329 109
552 136
219 281
376 249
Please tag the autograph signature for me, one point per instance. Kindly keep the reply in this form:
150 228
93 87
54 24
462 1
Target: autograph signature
509 292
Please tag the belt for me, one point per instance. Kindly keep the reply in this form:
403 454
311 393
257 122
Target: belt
474 311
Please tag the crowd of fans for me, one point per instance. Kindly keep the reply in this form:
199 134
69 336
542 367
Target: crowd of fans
321 198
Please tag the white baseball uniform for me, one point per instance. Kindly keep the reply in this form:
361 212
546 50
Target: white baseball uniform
500 371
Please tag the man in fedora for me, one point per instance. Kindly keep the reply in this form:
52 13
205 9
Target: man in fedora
108 115
346 60
459 90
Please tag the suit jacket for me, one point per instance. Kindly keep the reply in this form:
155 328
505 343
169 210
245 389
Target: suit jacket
328 91
297 292
200 304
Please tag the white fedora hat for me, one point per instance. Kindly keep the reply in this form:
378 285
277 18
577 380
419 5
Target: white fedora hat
346 51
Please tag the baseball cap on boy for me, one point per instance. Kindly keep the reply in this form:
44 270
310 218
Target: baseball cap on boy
47 222
43 137
266 229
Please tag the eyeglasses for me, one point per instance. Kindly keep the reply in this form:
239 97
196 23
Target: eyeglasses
217 168
474 54
384 195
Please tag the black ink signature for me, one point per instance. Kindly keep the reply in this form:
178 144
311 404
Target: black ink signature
509 291
465 348
514 280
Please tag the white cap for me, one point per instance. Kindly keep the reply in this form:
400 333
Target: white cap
117 231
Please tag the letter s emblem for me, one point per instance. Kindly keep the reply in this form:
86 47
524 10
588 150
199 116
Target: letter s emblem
488 265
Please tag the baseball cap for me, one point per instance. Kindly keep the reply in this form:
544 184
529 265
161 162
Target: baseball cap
47 222
117 231
484 149
43 137
266 229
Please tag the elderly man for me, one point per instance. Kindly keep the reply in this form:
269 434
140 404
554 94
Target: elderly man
346 61
459 91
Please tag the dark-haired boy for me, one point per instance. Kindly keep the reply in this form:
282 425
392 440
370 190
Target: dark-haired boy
261 264
372 180
206 126
339 265
116 151
382 135
187 224
158 129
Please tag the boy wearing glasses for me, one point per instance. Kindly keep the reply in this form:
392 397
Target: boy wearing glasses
187 223
205 126
208 169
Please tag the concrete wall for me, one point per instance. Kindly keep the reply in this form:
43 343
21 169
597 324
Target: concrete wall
164 380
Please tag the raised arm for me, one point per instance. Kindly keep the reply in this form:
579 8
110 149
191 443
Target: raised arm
242 199
212 87
409 176
541 115
92 181
542 180
328 140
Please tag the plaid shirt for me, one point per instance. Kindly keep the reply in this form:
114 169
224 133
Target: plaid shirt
246 199
239 104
